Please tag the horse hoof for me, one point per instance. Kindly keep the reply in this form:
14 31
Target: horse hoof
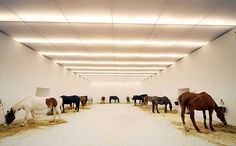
199 131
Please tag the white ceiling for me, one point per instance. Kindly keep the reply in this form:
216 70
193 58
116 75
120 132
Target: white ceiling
116 40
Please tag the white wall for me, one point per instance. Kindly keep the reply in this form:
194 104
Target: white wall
211 69
22 70
120 89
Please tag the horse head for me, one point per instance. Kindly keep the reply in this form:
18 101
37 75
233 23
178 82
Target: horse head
10 116
220 114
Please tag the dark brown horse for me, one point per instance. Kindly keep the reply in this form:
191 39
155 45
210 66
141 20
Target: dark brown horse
128 99
201 101
83 100
103 99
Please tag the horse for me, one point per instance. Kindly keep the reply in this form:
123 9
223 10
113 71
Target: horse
103 99
199 101
114 98
83 100
70 100
147 98
128 99
90 99
31 104
162 101
139 97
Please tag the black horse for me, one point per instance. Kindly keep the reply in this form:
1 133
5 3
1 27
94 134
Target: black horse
70 100
162 101
139 97
114 98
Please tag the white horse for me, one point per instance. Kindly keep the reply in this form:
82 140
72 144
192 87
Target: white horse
31 104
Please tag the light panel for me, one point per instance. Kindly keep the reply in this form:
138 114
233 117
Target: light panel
142 20
114 72
166 43
118 55
113 68
107 74
113 62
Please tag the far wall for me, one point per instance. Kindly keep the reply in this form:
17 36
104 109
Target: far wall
120 89
211 69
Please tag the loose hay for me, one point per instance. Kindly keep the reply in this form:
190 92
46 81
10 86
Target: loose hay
224 136
16 127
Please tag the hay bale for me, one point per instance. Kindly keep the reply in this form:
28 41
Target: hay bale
16 127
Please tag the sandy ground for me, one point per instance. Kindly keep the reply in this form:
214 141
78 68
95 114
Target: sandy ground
108 125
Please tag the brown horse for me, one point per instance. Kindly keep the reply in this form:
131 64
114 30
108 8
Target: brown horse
201 101
103 99
148 98
128 99
83 100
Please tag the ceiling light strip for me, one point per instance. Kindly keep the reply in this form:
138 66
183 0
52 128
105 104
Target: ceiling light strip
114 62
118 55
110 42
114 72
114 68
109 20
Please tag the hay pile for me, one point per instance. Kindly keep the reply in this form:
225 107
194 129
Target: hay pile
224 136
16 127
161 109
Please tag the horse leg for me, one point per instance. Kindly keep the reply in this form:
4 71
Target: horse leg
32 114
193 119
165 108
157 108
58 110
210 120
63 108
135 102
153 106
26 117
54 113
204 117
183 108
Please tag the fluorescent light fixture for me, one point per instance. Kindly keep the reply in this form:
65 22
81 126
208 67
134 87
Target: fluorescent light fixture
114 72
101 19
113 68
111 42
109 74
113 62
118 55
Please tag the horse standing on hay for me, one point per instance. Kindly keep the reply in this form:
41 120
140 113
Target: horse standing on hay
201 101
30 104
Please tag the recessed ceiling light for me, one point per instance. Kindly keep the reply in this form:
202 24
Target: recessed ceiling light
113 68
114 72
113 62
99 19
111 42
117 55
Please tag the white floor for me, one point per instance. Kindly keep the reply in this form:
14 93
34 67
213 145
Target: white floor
107 125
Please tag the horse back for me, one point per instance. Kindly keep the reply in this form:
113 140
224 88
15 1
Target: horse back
198 101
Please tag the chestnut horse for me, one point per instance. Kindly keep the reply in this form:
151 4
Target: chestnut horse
199 101
83 100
